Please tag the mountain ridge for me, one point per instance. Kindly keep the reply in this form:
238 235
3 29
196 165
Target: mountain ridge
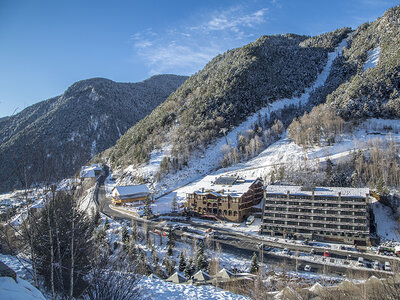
64 132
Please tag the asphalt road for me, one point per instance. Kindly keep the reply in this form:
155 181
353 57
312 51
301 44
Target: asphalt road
246 245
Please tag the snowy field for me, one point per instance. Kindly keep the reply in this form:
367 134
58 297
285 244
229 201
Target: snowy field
152 288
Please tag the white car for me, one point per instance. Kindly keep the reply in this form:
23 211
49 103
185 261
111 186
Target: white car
377 265
307 268
388 266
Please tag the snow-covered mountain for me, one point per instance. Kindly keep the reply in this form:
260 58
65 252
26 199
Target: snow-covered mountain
242 101
53 138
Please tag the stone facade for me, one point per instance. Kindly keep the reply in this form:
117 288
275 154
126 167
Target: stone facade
224 201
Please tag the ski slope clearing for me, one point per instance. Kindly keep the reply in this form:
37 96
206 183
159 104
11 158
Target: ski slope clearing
373 58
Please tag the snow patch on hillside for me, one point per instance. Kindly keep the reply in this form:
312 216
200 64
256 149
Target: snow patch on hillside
373 58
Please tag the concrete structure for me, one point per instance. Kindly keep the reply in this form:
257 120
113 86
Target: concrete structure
320 213
130 193
226 197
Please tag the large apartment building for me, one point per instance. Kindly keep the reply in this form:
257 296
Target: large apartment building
225 197
320 213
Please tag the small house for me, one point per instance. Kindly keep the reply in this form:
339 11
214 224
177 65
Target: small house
130 194
92 171
201 276
176 278
225 274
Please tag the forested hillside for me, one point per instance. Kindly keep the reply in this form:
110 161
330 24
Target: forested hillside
372 91
230 87
52 139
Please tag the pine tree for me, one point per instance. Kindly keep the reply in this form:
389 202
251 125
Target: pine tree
96 218
171 237
155 257
147 207
189 269
132 252
106 224
135 233
201 259
381 187
254 264
272 179
169 250
124 235
174 204
329 167
182 262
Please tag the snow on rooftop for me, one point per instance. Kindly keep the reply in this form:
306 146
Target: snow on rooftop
132 189
89 171
222 185
373 58
318 191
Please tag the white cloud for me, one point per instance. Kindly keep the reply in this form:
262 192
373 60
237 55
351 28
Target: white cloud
232 20
187 49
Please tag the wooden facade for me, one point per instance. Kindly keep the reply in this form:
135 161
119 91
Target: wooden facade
136 194
224 204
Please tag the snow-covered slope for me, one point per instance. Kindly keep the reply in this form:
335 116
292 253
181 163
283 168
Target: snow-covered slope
20 290
158 289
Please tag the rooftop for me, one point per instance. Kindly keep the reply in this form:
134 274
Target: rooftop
89 171
222 186
132 189
318 191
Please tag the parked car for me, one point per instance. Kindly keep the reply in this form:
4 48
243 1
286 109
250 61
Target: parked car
388 267
307 268
377 265
286 251
360 262
312 251
250 220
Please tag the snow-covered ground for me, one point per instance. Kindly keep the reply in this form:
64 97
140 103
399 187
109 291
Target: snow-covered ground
152 288
373 58
387 227
20 290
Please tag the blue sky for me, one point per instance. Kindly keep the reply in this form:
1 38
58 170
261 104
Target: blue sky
45 46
